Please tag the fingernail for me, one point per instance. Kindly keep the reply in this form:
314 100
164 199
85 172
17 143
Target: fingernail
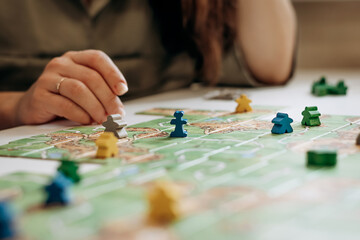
121 88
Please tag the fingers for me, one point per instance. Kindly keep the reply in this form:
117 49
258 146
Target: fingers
63 107
94 81
79 93
101 63
89 89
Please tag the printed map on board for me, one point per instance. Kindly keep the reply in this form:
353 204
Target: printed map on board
238 181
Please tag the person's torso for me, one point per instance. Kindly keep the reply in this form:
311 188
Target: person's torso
33 32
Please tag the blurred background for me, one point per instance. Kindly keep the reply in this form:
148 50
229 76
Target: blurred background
329 33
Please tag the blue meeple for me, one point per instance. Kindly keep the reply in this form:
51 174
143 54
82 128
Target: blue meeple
58 191
178 122
7 228
282 124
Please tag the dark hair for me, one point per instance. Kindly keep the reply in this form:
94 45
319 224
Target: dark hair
205 28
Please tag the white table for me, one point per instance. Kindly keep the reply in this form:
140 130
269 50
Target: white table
295 95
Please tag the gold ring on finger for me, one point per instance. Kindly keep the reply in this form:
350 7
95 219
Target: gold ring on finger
59 84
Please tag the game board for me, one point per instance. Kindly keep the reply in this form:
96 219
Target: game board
237 180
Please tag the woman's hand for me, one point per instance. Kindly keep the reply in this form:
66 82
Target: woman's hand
81 86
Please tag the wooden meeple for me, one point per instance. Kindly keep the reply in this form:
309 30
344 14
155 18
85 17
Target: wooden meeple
116 125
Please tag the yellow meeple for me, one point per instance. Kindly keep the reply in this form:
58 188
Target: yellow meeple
106 144
243 104
163 202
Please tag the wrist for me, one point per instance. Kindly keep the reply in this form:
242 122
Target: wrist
9 109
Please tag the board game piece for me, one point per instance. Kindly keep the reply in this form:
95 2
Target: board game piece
282 124
106 144
178 122
7 223
321 158
358 140
243 104
339 89
321 88
163 203
116 125
311 116
58 191
319 84
70 170
205 167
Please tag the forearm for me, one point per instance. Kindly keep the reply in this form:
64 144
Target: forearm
8 108
267 35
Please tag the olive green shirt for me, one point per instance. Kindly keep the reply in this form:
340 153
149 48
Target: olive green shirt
32 32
